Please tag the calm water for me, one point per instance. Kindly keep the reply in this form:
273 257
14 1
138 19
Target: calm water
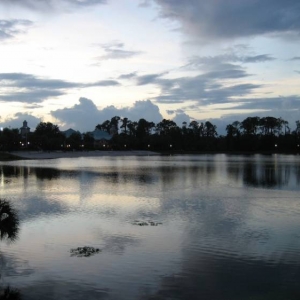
228 227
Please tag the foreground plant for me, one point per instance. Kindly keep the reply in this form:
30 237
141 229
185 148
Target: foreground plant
9 222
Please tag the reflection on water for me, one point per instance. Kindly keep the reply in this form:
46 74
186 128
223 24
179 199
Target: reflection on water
224 227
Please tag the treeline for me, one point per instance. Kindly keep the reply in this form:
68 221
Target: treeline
253 134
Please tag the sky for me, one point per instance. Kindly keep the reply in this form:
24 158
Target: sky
77 63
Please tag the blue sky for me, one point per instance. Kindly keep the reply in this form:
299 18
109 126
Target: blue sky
79 62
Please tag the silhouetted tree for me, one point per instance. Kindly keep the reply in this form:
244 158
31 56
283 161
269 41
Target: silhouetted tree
250 125
74 140
114 124
48 136
210 130
105 126
132 127
10 139
164 127
124 125
270 125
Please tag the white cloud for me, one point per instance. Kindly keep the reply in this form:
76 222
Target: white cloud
85 115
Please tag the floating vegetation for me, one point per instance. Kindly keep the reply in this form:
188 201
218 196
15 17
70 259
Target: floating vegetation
84 251
145 223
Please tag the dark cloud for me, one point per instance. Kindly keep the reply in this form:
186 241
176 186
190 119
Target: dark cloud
272 103
148 79
295 58
85 115
257 58
30 96
102 83
28 88
226 74
204 89
225 60
224 19
10 28
115 50
33 106
128 75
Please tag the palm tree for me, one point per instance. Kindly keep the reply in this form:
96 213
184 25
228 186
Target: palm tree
124 125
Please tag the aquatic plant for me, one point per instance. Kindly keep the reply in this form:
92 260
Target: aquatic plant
146 223
84 251
9 222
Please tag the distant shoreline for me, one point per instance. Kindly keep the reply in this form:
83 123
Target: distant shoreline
17 155
76 154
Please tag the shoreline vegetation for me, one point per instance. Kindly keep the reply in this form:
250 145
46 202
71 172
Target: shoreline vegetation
17 155
253 135
21 155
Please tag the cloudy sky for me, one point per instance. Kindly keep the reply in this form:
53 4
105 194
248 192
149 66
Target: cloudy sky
79 62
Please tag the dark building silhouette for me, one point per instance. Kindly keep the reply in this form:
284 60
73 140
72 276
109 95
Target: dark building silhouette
24 130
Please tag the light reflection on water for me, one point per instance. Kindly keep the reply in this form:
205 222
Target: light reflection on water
230 227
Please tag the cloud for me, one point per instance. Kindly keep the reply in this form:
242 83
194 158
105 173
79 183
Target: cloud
295 58
181 117
225 61
257 58
85 115
144 3
148 79
28 88
115 50
272 103
102 83
10 28
30 96
46 5
222 19
128 75
17 121
204 89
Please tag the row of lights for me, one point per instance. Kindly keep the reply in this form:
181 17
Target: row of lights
68 146
297 145
148 146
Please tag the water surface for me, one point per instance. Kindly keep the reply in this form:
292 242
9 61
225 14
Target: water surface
226 227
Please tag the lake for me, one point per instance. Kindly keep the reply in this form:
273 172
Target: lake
159 227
